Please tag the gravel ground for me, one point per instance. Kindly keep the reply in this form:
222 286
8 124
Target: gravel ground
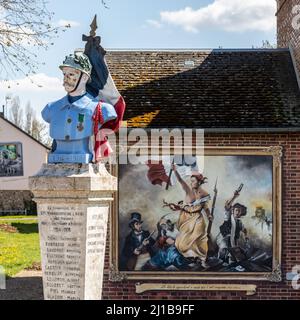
27 285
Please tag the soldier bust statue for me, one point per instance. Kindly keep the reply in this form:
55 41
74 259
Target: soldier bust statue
71 118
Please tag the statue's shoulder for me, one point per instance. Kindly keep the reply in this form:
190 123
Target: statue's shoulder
91 101
58 103
52 107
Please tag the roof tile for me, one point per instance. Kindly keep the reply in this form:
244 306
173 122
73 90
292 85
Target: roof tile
223 89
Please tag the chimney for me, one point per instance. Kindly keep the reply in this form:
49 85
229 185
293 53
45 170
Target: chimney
288 27
2 112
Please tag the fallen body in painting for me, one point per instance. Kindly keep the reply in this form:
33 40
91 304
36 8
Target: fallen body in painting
254 260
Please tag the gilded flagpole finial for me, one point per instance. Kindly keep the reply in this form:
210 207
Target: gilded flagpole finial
94 27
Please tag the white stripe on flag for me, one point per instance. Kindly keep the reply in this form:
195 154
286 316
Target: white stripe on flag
109 93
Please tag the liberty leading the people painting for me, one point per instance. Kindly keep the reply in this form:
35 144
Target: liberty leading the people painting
175 218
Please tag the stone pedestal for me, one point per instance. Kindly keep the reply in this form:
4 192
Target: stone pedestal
73 206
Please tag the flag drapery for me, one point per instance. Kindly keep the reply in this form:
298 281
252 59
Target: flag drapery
157 174
161 171
103 87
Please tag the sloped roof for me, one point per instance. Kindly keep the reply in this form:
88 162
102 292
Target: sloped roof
208 89
24 132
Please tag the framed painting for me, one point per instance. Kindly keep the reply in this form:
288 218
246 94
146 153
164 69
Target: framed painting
174 221
11 160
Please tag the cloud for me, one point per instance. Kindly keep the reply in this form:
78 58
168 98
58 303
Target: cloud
228 15
39 89
35 83
71 23
154 23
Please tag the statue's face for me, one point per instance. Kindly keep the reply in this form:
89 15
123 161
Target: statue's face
71 78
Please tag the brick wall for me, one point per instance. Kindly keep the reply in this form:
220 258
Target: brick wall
286 34
290 226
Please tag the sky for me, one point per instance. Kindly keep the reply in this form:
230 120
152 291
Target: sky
143 24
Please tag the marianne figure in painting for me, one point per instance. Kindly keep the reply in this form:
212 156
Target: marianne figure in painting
192 241
190 246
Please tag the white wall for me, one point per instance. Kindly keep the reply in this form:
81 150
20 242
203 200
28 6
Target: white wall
34 155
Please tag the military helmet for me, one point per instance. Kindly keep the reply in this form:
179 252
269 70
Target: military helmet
78 61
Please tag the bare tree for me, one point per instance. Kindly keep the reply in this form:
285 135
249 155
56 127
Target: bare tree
39 131
266 44
29 122
34 127
29 115
16 112
24 25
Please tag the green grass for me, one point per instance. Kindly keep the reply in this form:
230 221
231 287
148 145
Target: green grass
19 250
16 217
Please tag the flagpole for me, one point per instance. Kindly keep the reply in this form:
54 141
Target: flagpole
170 175
213 207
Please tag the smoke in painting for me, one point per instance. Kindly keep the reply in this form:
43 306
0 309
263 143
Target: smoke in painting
174 218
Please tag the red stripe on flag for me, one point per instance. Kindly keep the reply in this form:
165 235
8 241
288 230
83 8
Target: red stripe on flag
157 173
102 148
114 125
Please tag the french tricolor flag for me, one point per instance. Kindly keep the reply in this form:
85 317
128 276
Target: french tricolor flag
103 87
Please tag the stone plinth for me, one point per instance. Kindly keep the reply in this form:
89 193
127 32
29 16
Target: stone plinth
73 206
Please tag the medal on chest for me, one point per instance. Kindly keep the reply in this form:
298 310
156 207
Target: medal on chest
80 126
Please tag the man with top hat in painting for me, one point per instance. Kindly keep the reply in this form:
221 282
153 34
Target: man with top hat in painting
137 249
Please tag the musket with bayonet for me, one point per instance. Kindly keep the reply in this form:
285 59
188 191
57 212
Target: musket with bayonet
213 208
146 239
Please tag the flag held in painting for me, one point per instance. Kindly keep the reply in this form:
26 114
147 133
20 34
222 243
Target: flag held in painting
161 171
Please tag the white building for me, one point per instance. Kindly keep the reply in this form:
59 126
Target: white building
21 156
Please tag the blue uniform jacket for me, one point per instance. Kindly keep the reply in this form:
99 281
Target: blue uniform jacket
73 121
